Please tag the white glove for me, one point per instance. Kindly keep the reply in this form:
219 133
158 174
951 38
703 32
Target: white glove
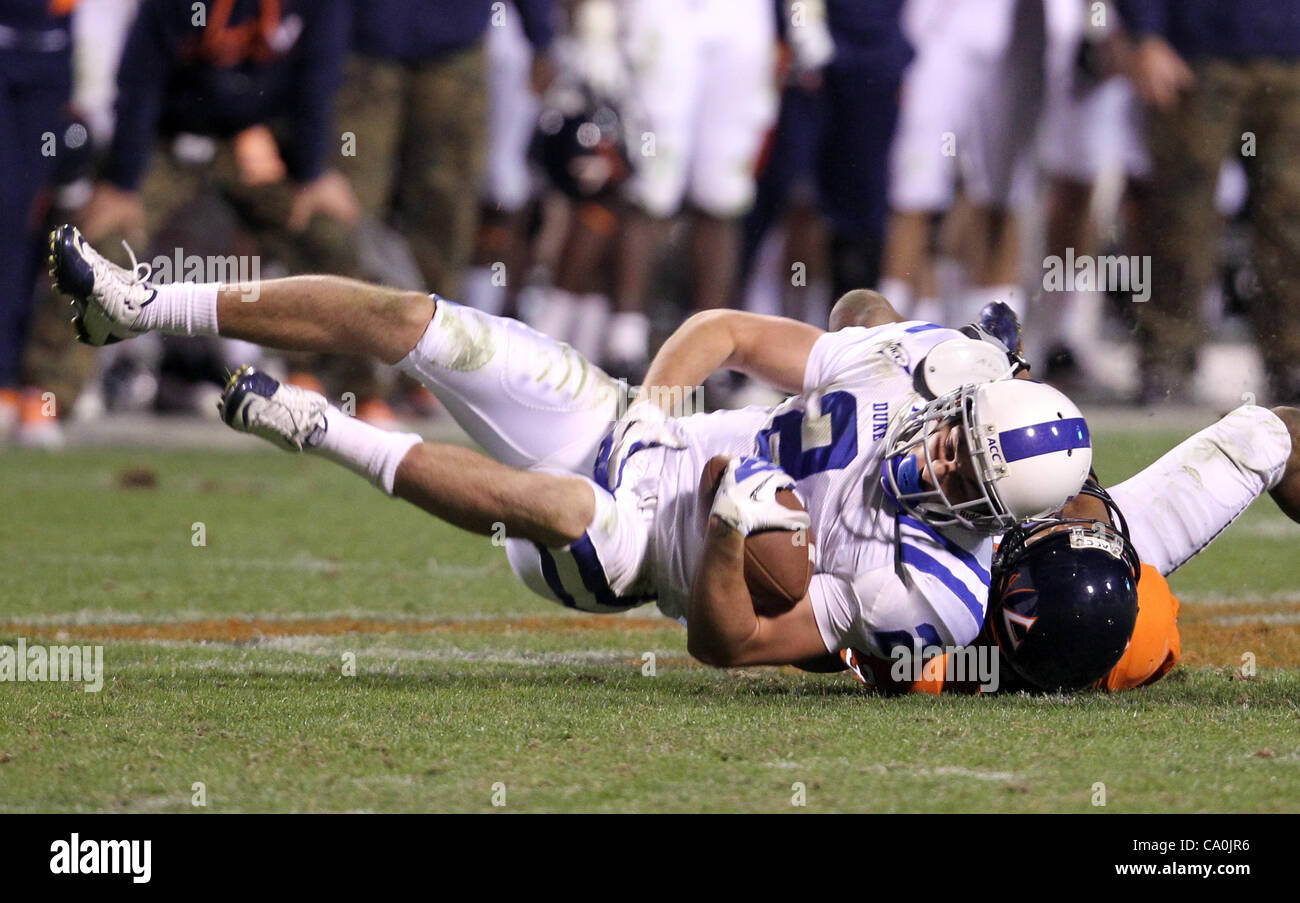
746 499
643 425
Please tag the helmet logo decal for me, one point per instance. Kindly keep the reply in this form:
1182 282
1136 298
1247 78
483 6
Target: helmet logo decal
994 452
1085 538
1017 626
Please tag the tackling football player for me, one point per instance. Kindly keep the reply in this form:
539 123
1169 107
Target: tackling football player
902 493
1071 604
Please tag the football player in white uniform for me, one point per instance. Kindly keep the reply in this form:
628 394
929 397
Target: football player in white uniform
902 493
1058 608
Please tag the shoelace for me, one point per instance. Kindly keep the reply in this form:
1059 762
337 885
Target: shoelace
137 276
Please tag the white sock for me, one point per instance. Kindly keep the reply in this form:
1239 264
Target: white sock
588 333
183 308
629 337
364 449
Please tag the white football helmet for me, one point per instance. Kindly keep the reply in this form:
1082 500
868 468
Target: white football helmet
1029 444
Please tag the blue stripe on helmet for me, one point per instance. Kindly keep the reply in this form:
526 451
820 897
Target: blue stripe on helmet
1044 438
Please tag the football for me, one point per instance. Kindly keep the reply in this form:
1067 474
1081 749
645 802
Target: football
778 563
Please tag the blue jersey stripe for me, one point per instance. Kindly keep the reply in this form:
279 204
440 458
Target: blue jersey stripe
955 550
924 327
552 575
591 571
924 563
593 576
1044 438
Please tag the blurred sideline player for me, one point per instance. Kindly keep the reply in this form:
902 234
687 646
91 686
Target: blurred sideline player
1169 515
970 100
35 85
1091 131
516 76
900 499
828 156
702 98
582 149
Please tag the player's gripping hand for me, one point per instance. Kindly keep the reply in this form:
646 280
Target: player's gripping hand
746 499
643 425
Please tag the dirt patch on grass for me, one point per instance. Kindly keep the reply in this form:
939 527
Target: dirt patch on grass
1220 634
228 630
1213 634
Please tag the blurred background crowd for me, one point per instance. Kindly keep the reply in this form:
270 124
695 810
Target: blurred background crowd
601 168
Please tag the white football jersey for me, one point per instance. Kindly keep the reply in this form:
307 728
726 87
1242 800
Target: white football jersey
883 578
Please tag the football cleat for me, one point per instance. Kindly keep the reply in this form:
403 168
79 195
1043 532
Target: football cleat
283 415
108 299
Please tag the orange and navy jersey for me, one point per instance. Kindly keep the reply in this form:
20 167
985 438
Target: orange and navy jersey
1152 652
1154 648
242 63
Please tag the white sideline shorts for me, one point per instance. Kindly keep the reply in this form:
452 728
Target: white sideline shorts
971 97
702 100
1083 135
1175 507
1085 132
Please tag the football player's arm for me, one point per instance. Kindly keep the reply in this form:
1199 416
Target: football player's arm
723 629
771 349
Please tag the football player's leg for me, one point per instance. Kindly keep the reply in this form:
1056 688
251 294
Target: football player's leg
568 539
526 398
1175 507
458 485
600 570
300 313
1287 492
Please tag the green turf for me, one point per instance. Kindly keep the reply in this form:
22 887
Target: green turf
566 720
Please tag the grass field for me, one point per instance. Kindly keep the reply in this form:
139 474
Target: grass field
225 664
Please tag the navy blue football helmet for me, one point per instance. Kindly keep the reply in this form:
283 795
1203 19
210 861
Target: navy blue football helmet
1063 597
580 143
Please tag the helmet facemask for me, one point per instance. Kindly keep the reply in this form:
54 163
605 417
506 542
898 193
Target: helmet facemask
984 513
